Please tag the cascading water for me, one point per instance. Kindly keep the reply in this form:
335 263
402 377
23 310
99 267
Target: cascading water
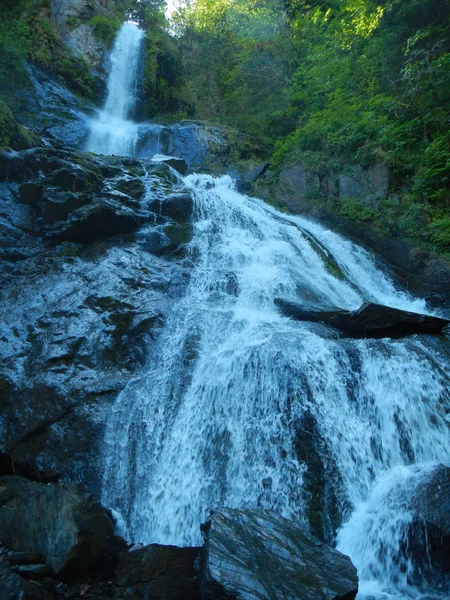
112 132
216 417
214 420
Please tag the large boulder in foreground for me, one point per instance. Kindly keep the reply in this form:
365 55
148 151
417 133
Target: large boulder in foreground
369 321
68 528
14 587
259 555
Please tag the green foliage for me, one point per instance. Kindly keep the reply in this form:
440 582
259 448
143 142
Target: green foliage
6 124
334 82
105 28
26 32
440 233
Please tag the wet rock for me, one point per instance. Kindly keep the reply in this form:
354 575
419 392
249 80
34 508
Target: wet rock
321 486
205 148
158 243
169 572
24 558
102 218
50 109
31 192
179 234
77 319
133 187
369 321
58 204
245 179
179 164
252 554
14 587
57 520
34 571
177 206
428 537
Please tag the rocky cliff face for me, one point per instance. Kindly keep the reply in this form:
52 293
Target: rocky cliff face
72 22
86 282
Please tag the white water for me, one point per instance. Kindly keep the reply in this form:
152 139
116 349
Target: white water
112 133
214 419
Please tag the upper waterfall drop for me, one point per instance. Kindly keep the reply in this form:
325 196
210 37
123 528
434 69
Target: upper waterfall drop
113 132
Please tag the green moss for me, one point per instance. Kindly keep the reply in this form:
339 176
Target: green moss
132 187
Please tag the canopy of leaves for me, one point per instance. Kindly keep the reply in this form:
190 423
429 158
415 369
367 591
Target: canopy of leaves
329 81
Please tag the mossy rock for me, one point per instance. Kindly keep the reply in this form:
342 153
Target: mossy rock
131 187
179 234
12 134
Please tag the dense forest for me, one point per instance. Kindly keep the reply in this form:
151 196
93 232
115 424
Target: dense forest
325 84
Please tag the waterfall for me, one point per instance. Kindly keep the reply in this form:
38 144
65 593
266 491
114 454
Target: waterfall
216 417
112 133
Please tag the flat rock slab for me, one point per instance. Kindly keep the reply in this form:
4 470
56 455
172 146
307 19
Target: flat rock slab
369 321
179 164
259 555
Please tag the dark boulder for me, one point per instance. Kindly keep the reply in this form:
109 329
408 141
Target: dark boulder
177 206
102 218
253 554
205 148
48 107
58 204
68 528
157 243
169 572
15 587
179 164
369 321
428 536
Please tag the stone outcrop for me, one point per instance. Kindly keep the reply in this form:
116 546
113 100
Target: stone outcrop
67 528
367 185
71 18
297 190
51 110
204 148
85 287
369 321
252 554
179 164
